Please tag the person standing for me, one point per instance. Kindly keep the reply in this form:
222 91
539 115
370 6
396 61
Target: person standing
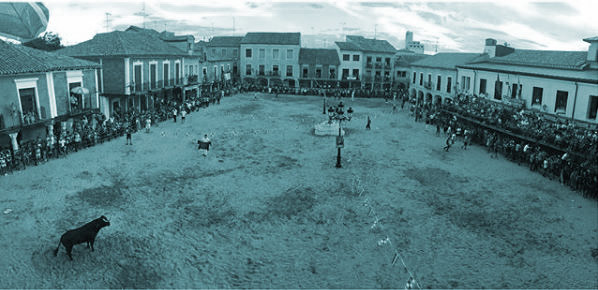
449 142
174 114
128 131
148 124
466 139
204 145
367 126
183 114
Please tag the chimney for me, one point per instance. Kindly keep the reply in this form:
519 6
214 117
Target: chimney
593 50
490 47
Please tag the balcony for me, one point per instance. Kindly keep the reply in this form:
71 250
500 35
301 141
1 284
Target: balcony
193 79
378 65
368 65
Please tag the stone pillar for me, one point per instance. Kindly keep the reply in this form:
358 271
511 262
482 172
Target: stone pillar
15 144
50 129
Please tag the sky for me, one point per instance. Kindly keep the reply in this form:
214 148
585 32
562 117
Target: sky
442 26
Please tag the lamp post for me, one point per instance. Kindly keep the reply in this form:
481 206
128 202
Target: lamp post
339 115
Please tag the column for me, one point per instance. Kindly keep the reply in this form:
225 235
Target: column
15 144
50 129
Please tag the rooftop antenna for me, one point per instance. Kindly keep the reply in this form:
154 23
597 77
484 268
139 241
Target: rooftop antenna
233 26
108 21
436 49
143 14
375 26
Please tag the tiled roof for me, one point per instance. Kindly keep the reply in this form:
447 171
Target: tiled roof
122 43
18 59
585 75
347 46
280 38
225 41
373 45
407 59
318 56
449 60
544 58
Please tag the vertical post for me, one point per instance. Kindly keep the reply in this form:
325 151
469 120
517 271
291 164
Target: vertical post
15 144
338 156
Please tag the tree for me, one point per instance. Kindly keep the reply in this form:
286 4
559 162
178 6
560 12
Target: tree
50 41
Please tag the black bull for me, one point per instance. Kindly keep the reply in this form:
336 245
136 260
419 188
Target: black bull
85 234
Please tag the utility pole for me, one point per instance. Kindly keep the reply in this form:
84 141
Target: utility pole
375 26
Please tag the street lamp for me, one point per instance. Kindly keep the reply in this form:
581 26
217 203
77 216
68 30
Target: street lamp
339 115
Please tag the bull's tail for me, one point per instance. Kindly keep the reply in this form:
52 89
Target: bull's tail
58 248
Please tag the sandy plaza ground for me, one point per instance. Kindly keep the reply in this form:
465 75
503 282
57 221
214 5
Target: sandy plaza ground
268 209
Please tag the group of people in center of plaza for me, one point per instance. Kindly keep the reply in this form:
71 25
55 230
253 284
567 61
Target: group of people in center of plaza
94 128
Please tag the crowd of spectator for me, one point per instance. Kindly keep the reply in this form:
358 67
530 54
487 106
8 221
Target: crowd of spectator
556 148
94 128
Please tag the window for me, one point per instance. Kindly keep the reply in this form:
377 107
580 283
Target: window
356 73
483 86
448 84
369 59
153 75
275 53
204 71
345 73
224 52
261 70
438 80
305 71
177 72
514 91
356 57
166 76
262 53
593 107
213 52
387 61
561 101
235 52
404 74
289 70
429 78
248 70
318 72
28 104
378 59
248 53
137 77
289 54
537 96
498 90
275 70
414 77
346 57
332 73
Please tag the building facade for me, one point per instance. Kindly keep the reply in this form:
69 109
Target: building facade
351 64
136 69
560 83
37 91
319 67
411 45
269 57
223 58
434 78
378 61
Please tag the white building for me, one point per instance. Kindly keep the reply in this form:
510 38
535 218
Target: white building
434 78
563 83
411 45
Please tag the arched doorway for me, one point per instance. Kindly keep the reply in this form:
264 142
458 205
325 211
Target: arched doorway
420 97
412 93
428 98
262 82
437 100
290 82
